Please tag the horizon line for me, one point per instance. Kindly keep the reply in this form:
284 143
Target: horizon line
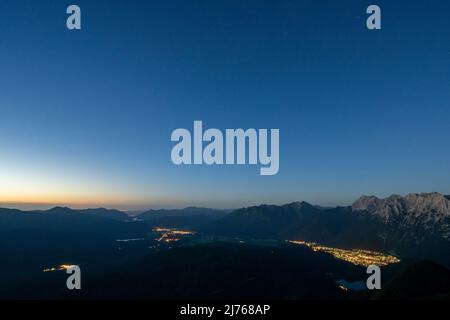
36 206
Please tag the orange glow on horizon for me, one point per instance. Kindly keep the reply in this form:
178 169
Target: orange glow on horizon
24 185
16 191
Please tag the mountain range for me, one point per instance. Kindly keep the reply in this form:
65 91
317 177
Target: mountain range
233 254
415 225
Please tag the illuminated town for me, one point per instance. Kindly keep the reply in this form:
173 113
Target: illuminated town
355 256
58 268
171 235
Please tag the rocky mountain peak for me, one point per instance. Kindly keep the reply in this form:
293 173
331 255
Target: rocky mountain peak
429 206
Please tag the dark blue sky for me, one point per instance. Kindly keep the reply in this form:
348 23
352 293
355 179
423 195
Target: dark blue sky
86 116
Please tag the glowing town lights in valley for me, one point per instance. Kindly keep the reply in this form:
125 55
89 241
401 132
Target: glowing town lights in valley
355 256
171 235
58 268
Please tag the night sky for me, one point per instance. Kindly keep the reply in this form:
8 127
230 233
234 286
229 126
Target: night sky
86 116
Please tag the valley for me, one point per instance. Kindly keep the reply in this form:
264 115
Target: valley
293 251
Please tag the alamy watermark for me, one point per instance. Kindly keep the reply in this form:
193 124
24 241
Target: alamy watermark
374 280
240 147
374 20
73 22
74 280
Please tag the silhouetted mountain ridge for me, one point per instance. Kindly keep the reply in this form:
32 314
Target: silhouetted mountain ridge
102 223
100 212
188 211
416 225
